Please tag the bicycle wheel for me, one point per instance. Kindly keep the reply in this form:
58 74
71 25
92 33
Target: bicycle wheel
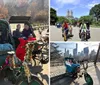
34 81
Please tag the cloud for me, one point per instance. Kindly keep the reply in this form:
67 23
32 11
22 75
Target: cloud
92 4
63 2
56 8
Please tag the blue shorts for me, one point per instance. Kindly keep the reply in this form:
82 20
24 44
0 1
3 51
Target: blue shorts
66 30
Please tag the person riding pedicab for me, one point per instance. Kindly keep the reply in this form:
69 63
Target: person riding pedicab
83 28
65 27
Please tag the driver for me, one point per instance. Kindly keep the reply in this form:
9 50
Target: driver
65 27
83 28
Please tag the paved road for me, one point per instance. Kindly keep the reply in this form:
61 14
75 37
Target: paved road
94 72
56 34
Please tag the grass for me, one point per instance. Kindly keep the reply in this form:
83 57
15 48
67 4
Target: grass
94 26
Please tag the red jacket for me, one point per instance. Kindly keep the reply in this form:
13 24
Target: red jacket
20 51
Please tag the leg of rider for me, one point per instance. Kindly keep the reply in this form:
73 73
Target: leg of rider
66 31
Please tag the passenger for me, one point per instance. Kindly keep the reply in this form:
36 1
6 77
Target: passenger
26 31
17 32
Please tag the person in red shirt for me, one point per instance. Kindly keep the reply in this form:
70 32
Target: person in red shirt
65 27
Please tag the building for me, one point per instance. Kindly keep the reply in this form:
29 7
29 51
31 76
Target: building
75 50
86 51
93 55
67 53
69 14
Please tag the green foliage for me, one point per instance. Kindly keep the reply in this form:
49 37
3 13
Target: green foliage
53 16
74 21
61 19
96 23
95 11
86 19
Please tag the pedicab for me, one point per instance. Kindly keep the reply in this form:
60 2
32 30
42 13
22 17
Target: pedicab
11 68
72 68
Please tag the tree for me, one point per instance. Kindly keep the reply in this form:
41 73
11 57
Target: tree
53 16
87 18
95 11
55 53
3 12
61 19
42 16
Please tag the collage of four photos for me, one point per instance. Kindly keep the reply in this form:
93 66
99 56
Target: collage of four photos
49 42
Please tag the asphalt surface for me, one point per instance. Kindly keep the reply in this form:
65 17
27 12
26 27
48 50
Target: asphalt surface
56 34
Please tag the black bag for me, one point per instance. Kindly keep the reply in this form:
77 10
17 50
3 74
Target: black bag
88 35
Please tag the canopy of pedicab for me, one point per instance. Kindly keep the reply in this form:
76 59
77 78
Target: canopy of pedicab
19 19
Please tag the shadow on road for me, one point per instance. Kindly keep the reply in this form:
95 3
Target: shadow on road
45 77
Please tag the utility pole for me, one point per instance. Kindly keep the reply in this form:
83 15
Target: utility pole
97 55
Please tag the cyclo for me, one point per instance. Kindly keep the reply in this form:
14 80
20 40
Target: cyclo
12 68
72 68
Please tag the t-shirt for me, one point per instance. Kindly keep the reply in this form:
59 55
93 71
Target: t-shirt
65 26
83 26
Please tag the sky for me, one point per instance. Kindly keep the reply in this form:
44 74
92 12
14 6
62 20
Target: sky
71 45
79 7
